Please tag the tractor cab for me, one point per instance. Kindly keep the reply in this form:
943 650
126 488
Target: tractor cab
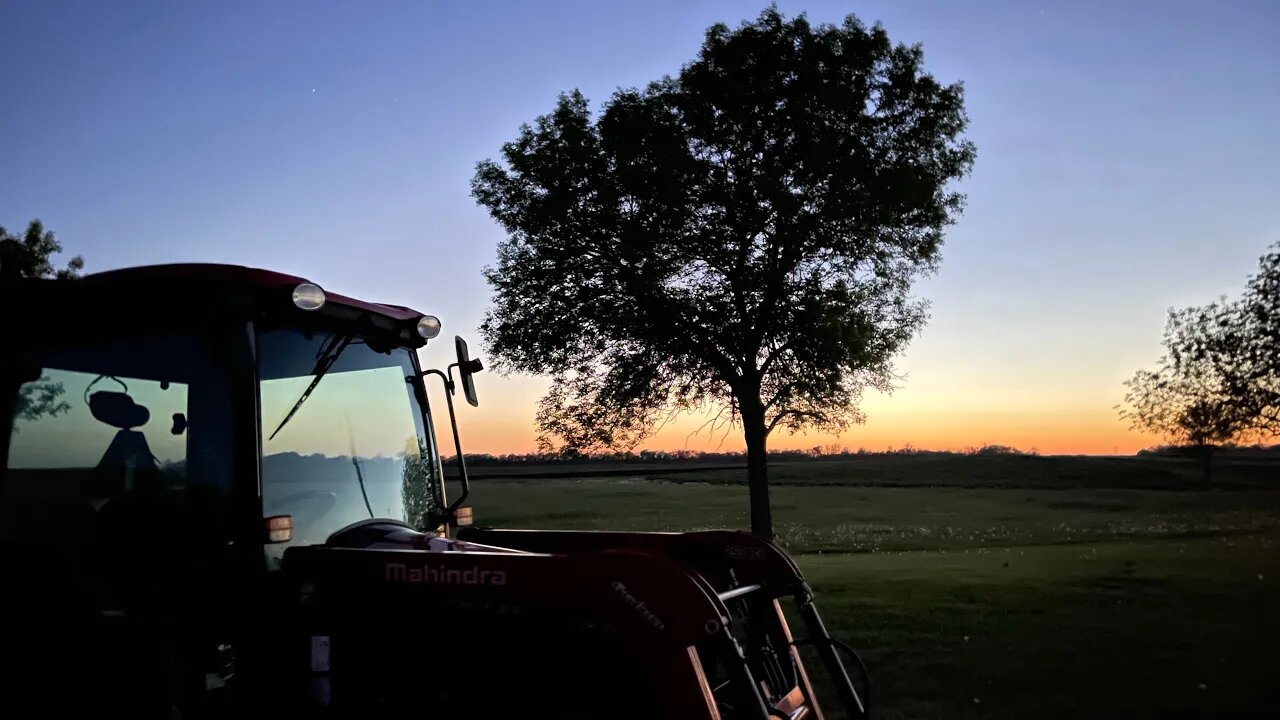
221 496
174 431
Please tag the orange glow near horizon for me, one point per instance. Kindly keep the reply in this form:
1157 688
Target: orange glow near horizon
1077 435
1063 425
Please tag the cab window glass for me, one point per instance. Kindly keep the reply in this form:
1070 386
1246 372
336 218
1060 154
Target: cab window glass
348 448
119 453
56 426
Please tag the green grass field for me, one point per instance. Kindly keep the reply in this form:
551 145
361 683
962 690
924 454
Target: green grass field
1080 587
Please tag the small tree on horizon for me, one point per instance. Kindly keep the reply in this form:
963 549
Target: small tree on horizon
1190 399
741 238
1219 380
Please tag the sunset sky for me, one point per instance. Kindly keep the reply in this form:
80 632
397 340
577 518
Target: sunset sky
1128 161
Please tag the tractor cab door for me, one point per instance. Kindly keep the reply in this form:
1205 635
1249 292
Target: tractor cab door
115 522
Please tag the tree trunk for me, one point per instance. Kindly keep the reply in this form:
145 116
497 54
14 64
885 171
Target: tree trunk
757 436
1206 457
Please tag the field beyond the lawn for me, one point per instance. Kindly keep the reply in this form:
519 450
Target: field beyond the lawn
992 587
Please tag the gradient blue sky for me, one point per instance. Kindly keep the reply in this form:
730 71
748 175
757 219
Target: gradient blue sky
1129 160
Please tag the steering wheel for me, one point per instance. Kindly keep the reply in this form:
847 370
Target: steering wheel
325 502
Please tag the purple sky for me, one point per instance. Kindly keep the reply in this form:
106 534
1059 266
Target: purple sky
1129 160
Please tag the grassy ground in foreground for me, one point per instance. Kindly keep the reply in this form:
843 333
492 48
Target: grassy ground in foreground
1006 602
810 519
1141 628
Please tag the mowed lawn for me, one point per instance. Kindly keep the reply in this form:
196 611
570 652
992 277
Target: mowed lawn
999 602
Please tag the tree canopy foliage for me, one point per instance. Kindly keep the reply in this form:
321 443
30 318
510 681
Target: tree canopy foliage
1258 387
30 255
740 238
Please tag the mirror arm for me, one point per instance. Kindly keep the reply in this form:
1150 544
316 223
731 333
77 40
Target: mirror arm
447 379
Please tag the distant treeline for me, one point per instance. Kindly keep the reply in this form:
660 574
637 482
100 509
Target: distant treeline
697 456
1239 452
827 452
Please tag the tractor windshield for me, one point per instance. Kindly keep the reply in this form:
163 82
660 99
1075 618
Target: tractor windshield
356 448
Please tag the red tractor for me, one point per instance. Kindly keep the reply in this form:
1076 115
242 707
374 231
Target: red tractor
222 497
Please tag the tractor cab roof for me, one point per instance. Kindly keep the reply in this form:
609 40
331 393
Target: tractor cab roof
231 277
165 291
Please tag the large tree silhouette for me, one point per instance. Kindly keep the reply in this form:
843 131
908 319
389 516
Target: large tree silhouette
741 237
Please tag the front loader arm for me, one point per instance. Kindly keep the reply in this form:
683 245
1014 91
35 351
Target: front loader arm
748 573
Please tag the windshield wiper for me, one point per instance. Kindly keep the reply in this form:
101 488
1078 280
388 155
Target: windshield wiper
355 460
328 356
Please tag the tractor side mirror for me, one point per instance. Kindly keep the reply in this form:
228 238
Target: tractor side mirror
467 367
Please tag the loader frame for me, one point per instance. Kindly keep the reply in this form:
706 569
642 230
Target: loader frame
704 611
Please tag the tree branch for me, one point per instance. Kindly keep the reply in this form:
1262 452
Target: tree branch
764 367
793 412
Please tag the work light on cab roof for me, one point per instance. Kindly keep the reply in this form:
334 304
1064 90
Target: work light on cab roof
428 326
308 296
